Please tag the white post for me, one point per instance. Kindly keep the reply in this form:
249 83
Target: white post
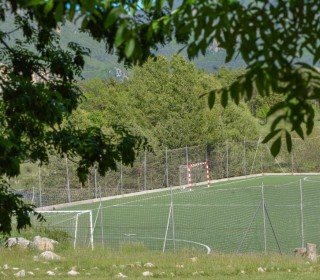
255 155
91 230
95 182
292 171
40 187
101 220
67 180
121 178
167 229
244 157
171 203
264 219
301 212
75 232
32 200
145 170
227 150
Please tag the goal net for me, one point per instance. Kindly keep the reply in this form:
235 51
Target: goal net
193 174
75 225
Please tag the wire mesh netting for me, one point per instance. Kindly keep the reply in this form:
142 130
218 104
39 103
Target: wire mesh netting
148 205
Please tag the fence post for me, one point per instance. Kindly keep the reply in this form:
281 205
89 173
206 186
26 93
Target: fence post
227 150
292 161
244 157
95 183
121 178
171 207
301 213
39 185
145 170
264 219
67 179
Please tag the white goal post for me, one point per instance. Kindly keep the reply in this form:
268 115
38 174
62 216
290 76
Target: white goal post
69 221
188 169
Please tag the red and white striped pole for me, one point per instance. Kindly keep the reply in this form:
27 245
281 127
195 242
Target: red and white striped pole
208 175
189 176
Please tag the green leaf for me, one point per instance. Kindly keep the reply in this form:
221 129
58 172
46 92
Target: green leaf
275 148
271 135
120 38
211 98
48 7
224 98
112 17
299 131
288 141
130 47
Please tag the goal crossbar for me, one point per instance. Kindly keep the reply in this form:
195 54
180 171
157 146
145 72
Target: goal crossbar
197 164
77 213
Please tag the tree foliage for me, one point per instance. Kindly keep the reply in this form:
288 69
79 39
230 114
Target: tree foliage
39 92
162 101
273 37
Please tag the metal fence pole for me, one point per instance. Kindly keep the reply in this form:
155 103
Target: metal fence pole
67 180
264 219
145 170
121 178
40 186
171 203
301 213
227 150
244 157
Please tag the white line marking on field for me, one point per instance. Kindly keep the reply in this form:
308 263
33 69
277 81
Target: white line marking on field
180 240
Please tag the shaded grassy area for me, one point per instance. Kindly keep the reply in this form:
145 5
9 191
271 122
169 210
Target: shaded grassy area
106 264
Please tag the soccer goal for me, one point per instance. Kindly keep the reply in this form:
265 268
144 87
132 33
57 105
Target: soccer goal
76 225
194 173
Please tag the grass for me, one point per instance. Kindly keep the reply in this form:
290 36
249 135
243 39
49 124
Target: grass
219 217
105 263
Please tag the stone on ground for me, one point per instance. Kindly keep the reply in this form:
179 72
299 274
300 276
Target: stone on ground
73 272
260 269
121 275
30 273
147 274
50 256
51 273
43 243
149 264
17 241
5 266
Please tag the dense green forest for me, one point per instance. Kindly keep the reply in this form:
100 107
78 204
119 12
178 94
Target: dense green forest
162 101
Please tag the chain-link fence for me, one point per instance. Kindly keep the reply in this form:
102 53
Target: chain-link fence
57 182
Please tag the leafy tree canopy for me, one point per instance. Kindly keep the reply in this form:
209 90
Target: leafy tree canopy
273 38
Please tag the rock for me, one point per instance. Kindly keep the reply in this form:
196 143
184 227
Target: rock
300 251
17 241
312 252
179 266
36 258
15 268
242 272
73 272
51 273
260 269
121 275
50 256
21 273
147 274
43 243
149 264
289 270
5 266
138 264
30 273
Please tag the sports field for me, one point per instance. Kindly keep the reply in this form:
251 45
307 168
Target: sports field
228 216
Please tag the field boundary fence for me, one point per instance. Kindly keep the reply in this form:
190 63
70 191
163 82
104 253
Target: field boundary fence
267 210
57 182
